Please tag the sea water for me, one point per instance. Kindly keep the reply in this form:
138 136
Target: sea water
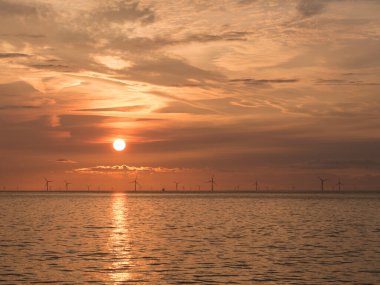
118 238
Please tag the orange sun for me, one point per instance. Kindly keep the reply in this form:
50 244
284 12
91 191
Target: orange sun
119 144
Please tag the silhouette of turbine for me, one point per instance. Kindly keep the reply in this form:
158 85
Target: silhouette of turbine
212 182
67 185
88 187
135 182
339 184
256 185
176 185
47 183
322 183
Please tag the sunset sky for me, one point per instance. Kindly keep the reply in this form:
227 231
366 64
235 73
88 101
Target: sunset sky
279 91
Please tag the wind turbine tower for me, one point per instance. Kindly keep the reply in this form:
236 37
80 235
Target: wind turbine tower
67 185
340 184
322 183
135 182
47 183
212 182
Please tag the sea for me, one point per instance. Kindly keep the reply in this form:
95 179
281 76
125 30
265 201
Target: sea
189 238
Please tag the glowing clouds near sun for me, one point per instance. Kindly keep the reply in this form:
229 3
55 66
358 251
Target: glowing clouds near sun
119 144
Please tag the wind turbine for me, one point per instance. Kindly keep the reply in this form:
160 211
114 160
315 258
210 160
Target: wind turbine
322 183
47 183
176 185
339 184
67 185
212 182
257 186
135 182
88 187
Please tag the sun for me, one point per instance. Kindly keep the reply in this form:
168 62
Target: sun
119 144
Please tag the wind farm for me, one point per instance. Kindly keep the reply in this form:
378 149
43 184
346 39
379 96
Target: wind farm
209 187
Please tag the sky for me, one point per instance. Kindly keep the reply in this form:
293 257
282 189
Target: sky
278 91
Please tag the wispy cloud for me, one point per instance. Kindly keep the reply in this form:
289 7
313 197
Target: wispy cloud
116 109
308 8
16 8
64 160
18 107
125 11
13 55
252 81
344 164
344 82
106 169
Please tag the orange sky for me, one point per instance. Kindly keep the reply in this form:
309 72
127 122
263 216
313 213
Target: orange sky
278 91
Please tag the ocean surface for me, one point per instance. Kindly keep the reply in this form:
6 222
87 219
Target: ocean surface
219 238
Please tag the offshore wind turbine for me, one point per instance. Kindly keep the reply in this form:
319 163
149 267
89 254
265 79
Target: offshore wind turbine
256 186
67 185
135 182
47 183
212 182
176 185
322 183
339 184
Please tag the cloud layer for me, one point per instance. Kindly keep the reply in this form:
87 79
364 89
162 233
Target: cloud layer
280 90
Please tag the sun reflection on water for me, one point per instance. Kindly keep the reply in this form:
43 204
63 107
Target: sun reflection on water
119 241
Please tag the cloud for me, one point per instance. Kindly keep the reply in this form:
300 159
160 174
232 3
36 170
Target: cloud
226 36
13 55
64 160
18 107
309 8
344 82
16 88
344 164
57 67
13 8
134 108
251 81
20 95
157 42
125 11
169 72
246 2
106 169
182 107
